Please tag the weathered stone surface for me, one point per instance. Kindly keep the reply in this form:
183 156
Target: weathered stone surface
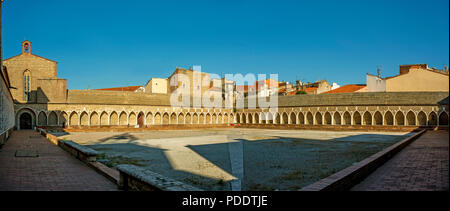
85 150
147 177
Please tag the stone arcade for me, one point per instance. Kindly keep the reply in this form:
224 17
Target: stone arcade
42 99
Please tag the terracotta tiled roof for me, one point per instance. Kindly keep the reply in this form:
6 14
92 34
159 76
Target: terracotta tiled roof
125 88
246 88
291 93
310 89
269 82
348 88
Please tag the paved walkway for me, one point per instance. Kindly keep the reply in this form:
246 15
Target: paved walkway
421 166
54 169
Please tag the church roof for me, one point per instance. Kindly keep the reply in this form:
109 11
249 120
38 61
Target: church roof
32 55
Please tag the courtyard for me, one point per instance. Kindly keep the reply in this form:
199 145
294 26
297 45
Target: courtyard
237 158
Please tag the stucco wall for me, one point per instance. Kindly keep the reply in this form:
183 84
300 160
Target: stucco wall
6 110
157 86
375 84
418 80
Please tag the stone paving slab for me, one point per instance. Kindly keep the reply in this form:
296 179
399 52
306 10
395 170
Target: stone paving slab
421 166
53 170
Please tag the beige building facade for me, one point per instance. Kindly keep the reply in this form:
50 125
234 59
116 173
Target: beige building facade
412 78
418 80
157 86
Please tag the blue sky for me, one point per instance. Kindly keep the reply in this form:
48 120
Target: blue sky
109 43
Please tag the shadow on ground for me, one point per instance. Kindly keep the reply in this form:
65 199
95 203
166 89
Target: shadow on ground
279 163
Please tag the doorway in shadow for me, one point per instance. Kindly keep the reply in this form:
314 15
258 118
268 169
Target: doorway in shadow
25 121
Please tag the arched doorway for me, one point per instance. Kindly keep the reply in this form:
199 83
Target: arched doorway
140 120
26 122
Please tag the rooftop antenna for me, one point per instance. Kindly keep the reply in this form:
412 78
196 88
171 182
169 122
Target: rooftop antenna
379 71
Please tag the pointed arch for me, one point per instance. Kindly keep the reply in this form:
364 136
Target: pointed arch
132 120
337 118
114 118
399 118
225 118
173 119
188 119
277 118
432 119
123 118
42 119
388 118
243 118
201 118
73 119
149 118
238 118
309 118
140 119
410 118
64 118
220 119
250 118
94 119
256 116
422 118
301 118
318 118
231 118
327 118
285 119
84 119
367 118
157 120
208 118
356 118
293 118
263 118
214 119
347 118
378 118
52 118
165 118
443 119
104 118
181 119
195 119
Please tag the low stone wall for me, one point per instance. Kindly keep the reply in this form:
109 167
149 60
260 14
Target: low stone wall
83 153
350 176
139 179
5 136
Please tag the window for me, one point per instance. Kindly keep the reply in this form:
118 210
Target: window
27 85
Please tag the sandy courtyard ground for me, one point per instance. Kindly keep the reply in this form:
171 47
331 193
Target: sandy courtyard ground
238 159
